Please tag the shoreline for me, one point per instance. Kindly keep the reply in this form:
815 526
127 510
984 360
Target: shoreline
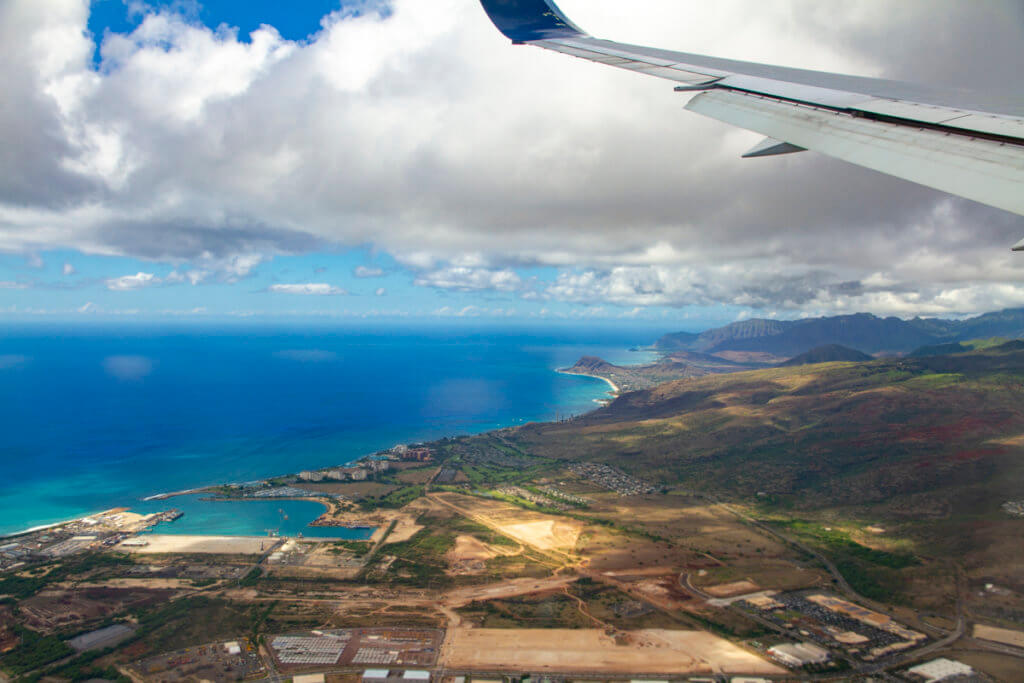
615 392
44 527
615 388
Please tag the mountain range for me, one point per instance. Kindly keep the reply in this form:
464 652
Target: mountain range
862 331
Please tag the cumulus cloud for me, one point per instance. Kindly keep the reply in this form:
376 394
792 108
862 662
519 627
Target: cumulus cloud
128 368
367 272
308 289
471 279
68 269
380 292
127 283
422 132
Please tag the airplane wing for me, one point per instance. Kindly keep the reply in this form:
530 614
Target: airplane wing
953 141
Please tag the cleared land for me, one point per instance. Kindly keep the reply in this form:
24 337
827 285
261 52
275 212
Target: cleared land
999 635
585 651
541 531
159 544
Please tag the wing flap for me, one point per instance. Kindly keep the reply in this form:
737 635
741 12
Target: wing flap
984 170
958 142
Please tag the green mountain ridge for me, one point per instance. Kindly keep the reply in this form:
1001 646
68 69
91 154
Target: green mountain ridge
862 331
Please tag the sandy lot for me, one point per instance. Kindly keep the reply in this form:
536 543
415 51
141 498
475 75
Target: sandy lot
532 528
591 651
470 548
207 545
999 635
728 590
548 534
405 528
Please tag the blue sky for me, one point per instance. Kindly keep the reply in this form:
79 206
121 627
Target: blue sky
293 20
399 159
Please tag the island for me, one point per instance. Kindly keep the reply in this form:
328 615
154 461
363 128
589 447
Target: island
833 520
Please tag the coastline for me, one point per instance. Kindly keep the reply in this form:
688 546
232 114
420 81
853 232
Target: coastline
319 522
615 388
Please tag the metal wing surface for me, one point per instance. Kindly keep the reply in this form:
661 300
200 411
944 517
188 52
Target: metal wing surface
959 142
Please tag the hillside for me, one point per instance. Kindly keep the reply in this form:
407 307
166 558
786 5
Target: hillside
836 433
830 353
671 367
863 332
931 448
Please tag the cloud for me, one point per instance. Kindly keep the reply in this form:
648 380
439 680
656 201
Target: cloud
380 292
367 272
308 289
471 279
12 285
8 361
387 129
127 283
307 355
128 368
68 269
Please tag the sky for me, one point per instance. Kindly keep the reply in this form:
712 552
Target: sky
399 159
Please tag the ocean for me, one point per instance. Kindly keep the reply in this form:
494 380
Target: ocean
103 416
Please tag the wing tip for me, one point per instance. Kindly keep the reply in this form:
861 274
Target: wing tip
523 21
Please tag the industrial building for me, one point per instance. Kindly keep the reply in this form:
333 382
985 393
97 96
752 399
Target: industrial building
940 670
796 655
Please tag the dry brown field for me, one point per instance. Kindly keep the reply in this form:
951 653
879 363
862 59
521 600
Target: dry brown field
591 651
544 532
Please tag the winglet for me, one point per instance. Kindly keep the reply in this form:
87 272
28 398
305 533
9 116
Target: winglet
523 21
1019 246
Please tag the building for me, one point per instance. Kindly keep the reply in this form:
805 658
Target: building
940 670
358 474
379 465
796 655
308 678
311 476
336 475
417 455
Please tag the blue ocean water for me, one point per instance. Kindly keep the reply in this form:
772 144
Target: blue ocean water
103 416
203 515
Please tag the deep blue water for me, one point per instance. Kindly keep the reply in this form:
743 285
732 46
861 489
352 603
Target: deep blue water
100 417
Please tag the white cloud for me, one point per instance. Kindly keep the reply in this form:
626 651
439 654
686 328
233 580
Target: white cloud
12 285
68 269
367 272
381 292
308 289
471 279
127 283
191 146
128 368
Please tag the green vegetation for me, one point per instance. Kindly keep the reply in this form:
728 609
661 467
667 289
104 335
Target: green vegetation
251 578
35 651
839 543
420 560
357 548
92 563
393 500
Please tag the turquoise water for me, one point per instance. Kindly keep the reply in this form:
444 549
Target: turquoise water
246 518
100 417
